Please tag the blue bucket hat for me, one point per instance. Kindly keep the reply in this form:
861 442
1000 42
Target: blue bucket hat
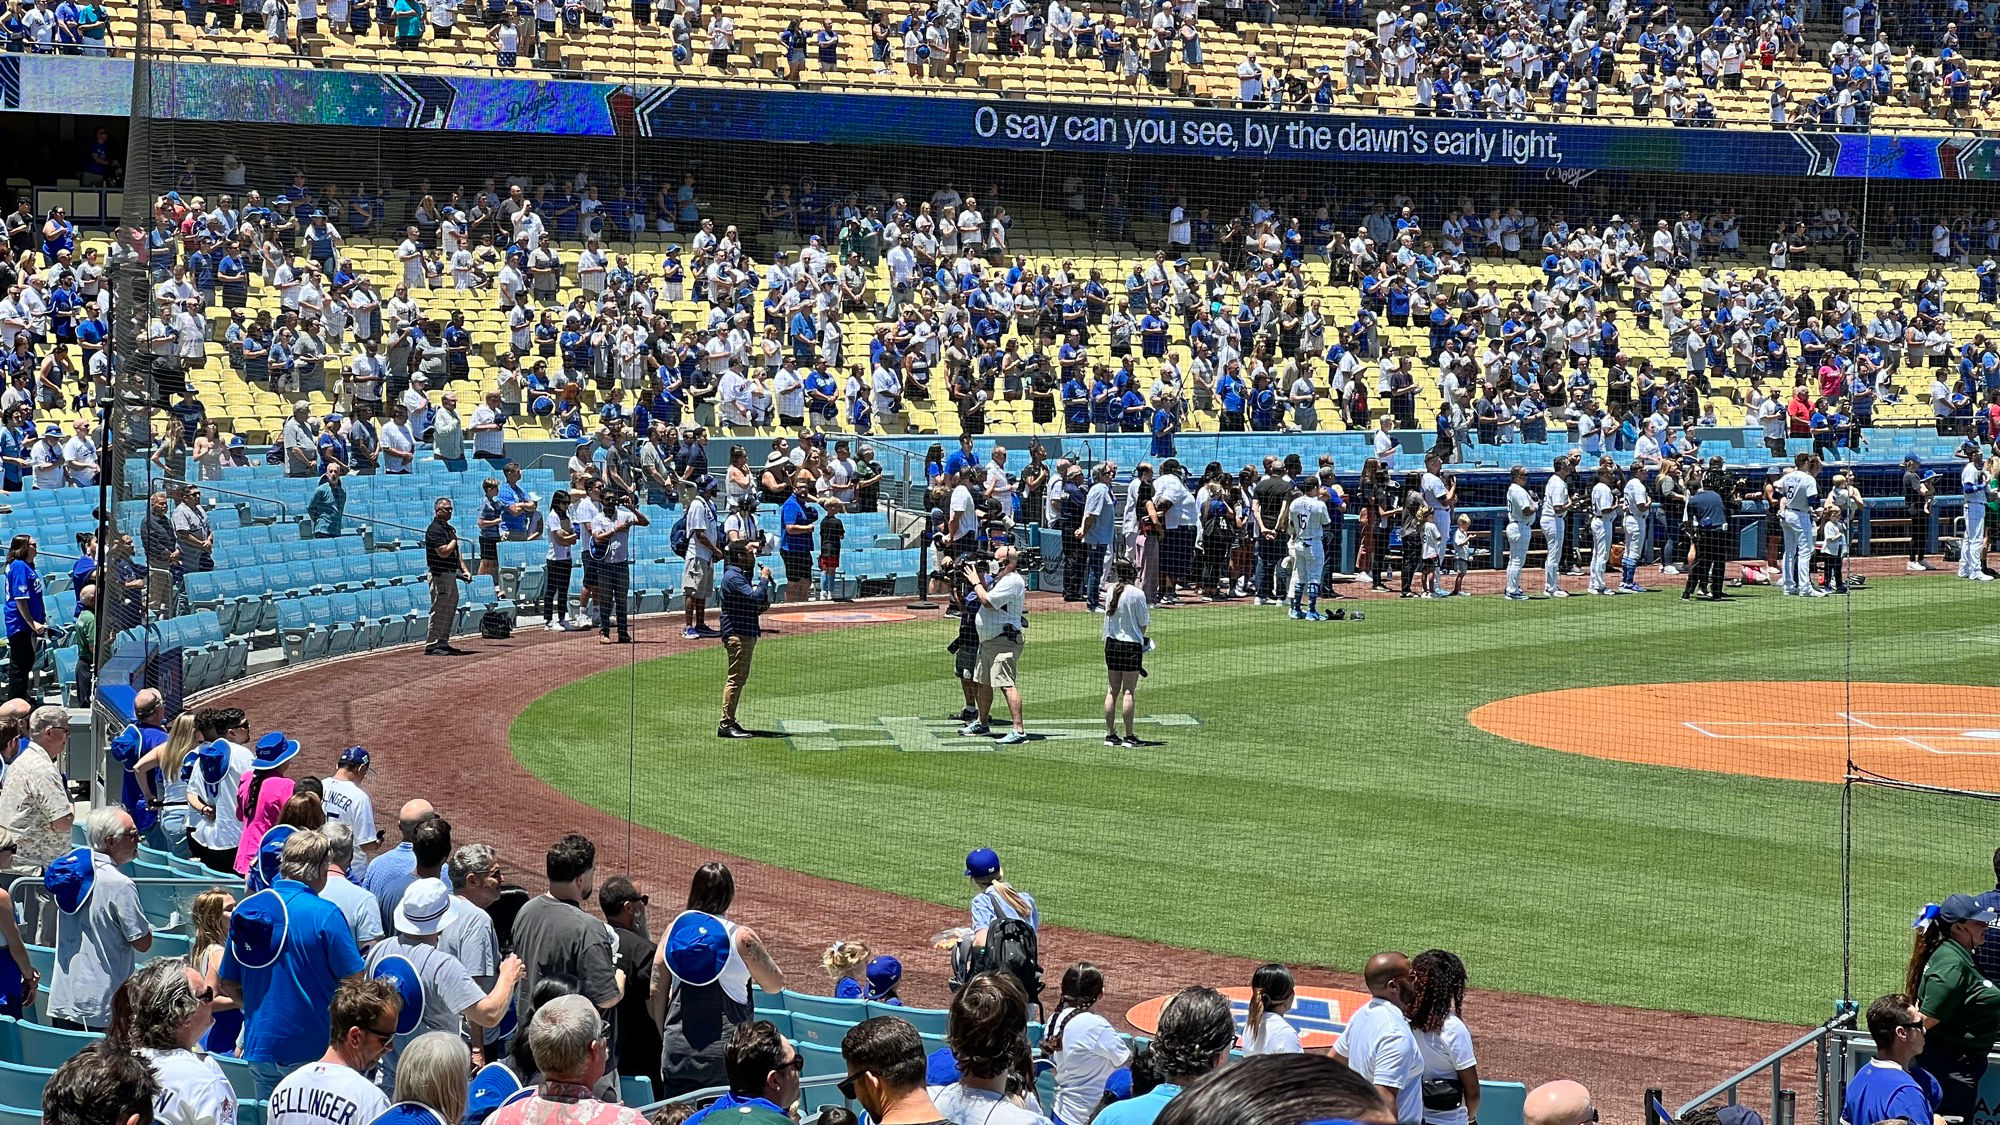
70 878
127 745
397 970
982 863
883 974
212 760
697 947
492 1085
258 929
940 1068
410 1113
274 750
264 867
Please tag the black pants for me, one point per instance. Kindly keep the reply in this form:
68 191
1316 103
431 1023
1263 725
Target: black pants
1270 550
20 660
219 860
555 591
1215 552
1378 565
1705 576
1413 552
1177 556
1073 557
614 582
1958 1072
1919 532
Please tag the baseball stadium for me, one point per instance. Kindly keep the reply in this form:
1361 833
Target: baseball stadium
1459 536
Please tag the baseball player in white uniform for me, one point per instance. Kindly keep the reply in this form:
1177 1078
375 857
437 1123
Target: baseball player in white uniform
1638 528
1798 496
1520 529
1603 517
1555 523
1441 493
1972 482
1308 519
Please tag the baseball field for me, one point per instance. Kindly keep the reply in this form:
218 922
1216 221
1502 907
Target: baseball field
1631 800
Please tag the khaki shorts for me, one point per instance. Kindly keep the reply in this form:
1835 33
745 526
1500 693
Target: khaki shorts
698 579
996 662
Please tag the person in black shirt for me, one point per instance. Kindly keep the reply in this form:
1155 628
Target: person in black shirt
1917 509
638 1038
163 555
1709 515
1270 495
1069 519
446 567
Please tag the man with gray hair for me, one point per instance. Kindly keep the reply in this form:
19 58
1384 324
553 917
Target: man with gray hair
468 929
34 804
104 925
168 1008
363 913
288 949
572 1049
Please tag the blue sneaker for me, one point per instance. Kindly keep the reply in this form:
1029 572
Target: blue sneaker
1515 596
1314 616
690 634
1298 615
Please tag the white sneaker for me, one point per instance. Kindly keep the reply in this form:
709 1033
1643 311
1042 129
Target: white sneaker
1982 576
1670 570
554 627
1557 593
1914 565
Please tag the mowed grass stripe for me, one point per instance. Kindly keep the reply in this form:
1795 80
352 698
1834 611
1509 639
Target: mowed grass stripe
1335 799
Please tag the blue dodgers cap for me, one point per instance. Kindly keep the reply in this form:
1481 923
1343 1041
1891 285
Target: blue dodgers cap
264 867
697 947
127 745
258 929
940 1068
274 750
410 1113
70 878
492 1084
397 970
883 974
982 863
705 484
354 756
1964 908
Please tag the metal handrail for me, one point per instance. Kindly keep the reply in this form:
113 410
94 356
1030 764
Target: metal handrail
1154 97
1817 1039
209 486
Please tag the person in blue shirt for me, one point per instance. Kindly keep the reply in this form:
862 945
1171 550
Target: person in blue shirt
288 949
1891 1085
962 458
1197 1031
1153 334
1165 424
1132 411
1233 396
25 616
743 601
1264 404
1075 400
798 517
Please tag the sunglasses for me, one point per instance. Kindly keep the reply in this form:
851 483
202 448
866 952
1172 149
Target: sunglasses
205 996
388 1036
797 1064
846 1087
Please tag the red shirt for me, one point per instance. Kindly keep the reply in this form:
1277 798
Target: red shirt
1800 413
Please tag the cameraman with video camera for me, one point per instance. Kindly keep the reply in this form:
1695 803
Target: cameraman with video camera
1000 625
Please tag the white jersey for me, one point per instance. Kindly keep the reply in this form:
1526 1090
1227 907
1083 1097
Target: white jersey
349 804
324 1093
193 1089
1603 500
1972 482
1555 499
1520 504
1310 519
1638 499
1797 490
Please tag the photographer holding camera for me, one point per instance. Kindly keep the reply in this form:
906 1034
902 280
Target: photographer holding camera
743 601
1000 623
611 546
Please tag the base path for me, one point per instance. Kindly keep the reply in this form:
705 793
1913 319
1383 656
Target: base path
438 728
1930 734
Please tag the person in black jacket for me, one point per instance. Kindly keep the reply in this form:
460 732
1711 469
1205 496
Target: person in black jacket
743 601
1708 513
1069 520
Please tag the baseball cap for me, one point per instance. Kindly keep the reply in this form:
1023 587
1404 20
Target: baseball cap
883 974
1964 908
354 756
705 484
301 404
982 863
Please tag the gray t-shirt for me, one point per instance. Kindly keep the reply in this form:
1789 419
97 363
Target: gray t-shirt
94 951
448 991
555 937
468 935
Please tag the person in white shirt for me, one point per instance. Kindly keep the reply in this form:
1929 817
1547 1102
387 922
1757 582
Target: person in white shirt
334 1091
1082 1045
1307 518
169 1007
1266 1031
1973 484
1126 617
1603 517
350 804
1798 498
1638 529
1378 1043
1556 502
1437 999
1000 626
80 457
411 254
1520 529
962 517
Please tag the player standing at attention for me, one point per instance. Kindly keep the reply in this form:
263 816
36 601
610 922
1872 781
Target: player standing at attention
1520 529
1973 483
1638 528
1555 516
1440 492
1307 519
1798 493
1603 514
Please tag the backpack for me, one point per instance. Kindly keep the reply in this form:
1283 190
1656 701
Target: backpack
677 537
494 627
1011 948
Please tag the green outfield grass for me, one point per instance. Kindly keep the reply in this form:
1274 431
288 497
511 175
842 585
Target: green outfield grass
1333 799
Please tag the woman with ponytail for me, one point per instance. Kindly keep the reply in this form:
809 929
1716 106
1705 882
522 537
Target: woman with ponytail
1125 620
1451 1069
996 898
1266 1031
1082 1045
1960 1007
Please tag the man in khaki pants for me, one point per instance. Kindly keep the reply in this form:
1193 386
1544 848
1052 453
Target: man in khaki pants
447 570
742 602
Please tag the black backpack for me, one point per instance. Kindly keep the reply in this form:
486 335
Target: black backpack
494 627
1011 948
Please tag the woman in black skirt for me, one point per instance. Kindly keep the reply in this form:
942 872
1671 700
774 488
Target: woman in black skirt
1125 621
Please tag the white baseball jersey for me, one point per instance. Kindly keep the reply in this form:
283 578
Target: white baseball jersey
1797 490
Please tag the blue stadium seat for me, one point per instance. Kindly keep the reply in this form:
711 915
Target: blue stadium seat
344 624
927 1021
12 1116
50 1047
820 1061
1500 1103
824 1032
22 1085
826 1007
238 1073
778 1018
635 1089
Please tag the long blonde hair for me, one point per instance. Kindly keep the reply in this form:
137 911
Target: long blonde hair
843 957
999 886
211 920
180 742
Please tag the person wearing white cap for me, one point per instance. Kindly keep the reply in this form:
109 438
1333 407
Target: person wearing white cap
1974 483
437 991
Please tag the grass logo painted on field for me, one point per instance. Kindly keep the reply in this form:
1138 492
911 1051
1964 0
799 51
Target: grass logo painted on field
914 735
